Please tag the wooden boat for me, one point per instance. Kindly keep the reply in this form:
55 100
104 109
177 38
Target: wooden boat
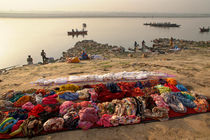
77 33
166 24
204 29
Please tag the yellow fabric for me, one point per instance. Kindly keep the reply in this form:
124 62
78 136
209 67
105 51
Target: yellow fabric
71 87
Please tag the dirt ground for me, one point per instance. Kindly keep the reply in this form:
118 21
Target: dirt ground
191 67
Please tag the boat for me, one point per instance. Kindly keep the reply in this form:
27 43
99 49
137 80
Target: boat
73 33
204 29
165 24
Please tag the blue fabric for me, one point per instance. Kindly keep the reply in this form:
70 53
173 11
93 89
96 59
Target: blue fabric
181 87
69 96
19 114
185 101
113 87
139 84
162 81
52 92
11 122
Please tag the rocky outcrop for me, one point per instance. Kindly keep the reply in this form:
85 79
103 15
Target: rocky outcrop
91 47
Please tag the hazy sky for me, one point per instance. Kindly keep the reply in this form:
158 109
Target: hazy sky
161 6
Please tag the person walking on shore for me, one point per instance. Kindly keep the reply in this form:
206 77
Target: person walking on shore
44 58
30 60
171 42
135 46
143 44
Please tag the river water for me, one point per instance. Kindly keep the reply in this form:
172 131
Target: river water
20 37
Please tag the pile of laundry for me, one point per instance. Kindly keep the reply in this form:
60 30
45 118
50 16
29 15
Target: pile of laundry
67 107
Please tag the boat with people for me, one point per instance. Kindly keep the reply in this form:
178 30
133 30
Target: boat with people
73 33
204 29
165 24
83 32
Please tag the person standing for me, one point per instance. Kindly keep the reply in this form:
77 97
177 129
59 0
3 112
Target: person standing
44 58
30 60
135 46
143 44
171 42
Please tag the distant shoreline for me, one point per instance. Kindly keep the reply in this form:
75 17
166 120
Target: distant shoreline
99 15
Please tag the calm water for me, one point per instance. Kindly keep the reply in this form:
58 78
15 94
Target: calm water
22 37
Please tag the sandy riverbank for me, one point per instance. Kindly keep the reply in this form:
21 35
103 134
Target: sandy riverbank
191 67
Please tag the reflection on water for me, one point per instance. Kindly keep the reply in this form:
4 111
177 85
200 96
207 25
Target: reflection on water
22 37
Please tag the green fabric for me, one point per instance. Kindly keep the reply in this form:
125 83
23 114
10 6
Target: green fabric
16 97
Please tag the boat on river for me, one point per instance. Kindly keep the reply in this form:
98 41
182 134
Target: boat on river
204 29
165 24
76 33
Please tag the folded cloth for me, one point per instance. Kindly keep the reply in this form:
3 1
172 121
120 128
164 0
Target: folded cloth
171 81
88 117
174 102
7 124
53 124
185 101
50 99
19 114
202 105
68 96
23 100
17 128
28 106
181 87
67 105
105 121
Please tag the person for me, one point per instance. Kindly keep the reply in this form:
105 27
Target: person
171 42
135 46
30 60
84 56
143 43
72 30
76 30
44 58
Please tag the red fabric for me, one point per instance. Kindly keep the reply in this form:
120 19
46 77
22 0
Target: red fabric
17 125
172 87
105 95
42 91
36 110
136 92
50 100
84 104
104 121
172 114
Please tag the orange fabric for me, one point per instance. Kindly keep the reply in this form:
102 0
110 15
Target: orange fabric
22 101
73 60
171 81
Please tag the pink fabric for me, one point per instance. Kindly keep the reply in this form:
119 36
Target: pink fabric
105 121
50 100
93 94
28 106
85 125
159 101
66 106
88 117
88 114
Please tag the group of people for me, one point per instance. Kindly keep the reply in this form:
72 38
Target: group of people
136 45
44 58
